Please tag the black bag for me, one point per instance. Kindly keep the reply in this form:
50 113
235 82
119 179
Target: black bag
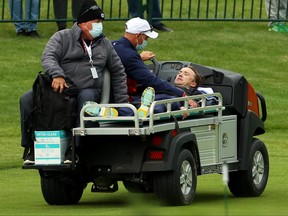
52 110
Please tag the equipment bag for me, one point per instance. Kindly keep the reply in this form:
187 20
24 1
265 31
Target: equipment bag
52 110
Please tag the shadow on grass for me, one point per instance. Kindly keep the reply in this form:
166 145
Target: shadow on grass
125 199
120 198
113 201
207 197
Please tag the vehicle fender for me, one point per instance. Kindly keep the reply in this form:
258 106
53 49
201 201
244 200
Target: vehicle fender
185 140
249 127
182 140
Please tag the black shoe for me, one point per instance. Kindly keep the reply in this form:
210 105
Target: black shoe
29 159
162 27
21 32
68 157
33 34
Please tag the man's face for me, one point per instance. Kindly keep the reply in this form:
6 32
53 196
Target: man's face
185 78
141 37
86 27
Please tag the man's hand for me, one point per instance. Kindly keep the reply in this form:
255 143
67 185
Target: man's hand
192 103
184 114
147 55
58 84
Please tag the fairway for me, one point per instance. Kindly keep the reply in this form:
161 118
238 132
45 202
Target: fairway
25 198
244 47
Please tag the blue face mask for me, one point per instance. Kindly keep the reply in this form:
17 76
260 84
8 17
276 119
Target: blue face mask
141 46
96 30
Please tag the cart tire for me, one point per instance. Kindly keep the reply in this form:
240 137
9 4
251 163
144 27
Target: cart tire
61 190
178 187
251 182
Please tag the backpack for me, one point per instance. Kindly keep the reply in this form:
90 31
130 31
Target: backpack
52 110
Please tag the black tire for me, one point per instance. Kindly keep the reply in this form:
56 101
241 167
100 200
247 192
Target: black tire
133 187
251 182
59 189
178 187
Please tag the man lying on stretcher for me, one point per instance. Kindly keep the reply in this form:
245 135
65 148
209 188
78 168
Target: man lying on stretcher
188 79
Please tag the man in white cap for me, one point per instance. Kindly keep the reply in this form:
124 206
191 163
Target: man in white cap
137 32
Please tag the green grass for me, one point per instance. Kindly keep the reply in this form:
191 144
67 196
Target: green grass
247 48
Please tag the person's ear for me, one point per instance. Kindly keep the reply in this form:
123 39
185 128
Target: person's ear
193 84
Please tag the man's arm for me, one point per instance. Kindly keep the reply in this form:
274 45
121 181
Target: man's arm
137 70
51 56
50 63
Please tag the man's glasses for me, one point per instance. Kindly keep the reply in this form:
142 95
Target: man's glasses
93 8
149 30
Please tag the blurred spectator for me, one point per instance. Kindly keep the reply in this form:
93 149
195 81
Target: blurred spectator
60 11
31 13
277 10
156 13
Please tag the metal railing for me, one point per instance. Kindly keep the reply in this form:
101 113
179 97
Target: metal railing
177 10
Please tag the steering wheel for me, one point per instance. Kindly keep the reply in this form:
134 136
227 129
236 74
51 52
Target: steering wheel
156 65
154 68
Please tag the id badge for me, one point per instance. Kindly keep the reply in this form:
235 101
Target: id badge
94 72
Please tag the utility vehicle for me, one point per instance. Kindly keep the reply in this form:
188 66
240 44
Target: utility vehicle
164 153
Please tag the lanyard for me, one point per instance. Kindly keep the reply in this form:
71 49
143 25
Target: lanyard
89 51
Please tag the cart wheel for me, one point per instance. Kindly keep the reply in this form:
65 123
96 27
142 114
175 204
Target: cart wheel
61 190
178 187
251 182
